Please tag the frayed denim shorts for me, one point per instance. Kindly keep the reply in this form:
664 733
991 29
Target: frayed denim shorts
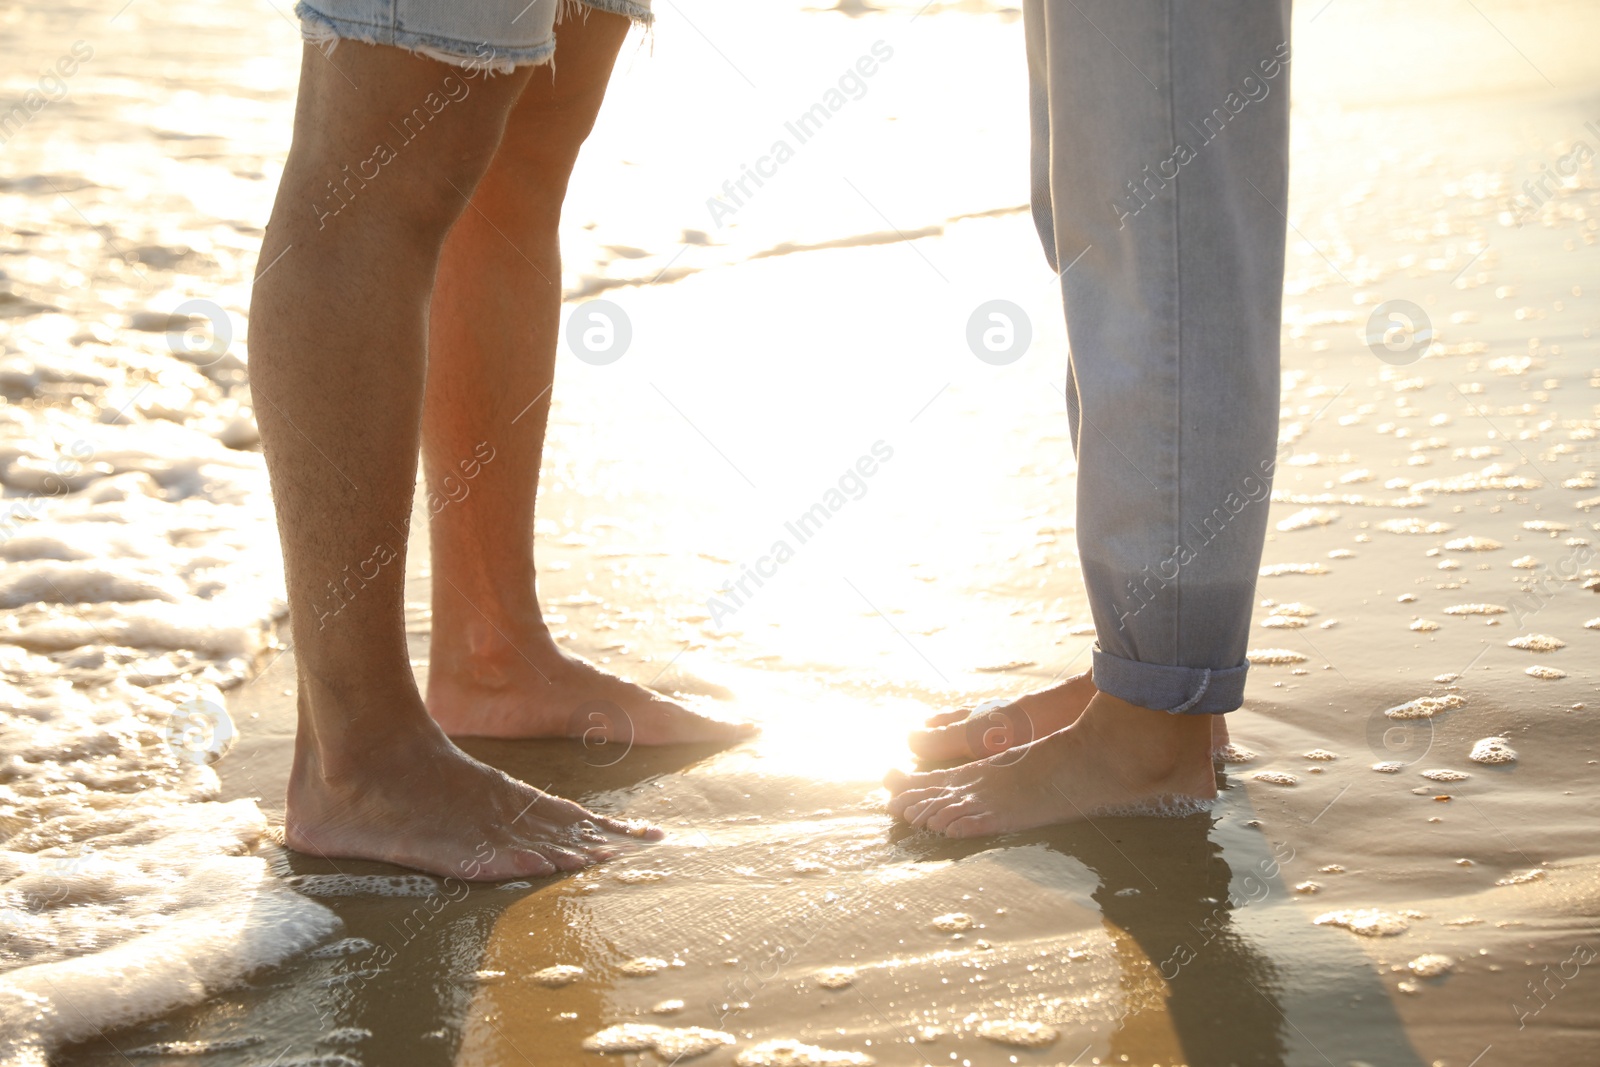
494 36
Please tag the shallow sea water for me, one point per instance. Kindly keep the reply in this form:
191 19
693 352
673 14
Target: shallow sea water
146 914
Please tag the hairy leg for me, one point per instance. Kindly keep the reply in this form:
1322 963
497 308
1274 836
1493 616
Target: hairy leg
495 670
338 350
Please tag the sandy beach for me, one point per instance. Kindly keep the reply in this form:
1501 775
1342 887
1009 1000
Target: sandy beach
1402 866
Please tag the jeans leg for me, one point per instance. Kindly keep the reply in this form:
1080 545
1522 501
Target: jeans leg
1039 129
1168 173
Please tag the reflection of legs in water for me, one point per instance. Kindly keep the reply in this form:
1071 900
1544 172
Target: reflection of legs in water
494 668
1168 229
1217 986
339 325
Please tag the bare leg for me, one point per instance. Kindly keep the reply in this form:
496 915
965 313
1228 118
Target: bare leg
338 349
495 670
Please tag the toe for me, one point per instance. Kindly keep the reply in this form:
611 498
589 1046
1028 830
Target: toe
901 802
920 813
947 718
519 863
979 824
899 781
960 808
940 743
563 859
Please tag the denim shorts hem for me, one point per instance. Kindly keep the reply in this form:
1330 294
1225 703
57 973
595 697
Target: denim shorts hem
629 9
1178 690
326 32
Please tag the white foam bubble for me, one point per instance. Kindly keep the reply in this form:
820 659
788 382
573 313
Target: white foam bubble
1368 922
642 966
1473 544
1545 674
1018 1033
1275 657
145 575
1277 570
1425 707
953 922
1276 777
1169 806
1492 750
786 1053
1431 965
1413 526
346 1035
836 977
363 885
1307 518
1537 643
169 945
345 946
558 975
670 1043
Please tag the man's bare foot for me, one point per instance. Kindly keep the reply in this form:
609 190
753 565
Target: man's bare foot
413 798
1115 756
491 688
970 733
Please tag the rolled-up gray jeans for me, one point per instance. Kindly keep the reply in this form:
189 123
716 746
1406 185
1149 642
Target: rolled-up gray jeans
1160 182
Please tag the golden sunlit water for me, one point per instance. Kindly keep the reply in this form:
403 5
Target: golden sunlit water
1401 867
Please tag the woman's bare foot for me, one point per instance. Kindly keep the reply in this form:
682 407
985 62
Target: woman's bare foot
992 727
481 685
410 797
971 733
1115 756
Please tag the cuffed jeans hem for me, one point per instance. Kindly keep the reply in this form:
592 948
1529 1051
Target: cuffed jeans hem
1176 690
326 31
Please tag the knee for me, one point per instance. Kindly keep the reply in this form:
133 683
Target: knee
407 174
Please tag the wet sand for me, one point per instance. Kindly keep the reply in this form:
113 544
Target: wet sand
785 905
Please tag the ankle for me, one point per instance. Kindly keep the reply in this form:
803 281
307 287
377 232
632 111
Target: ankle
485 641
1156 743
347 730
